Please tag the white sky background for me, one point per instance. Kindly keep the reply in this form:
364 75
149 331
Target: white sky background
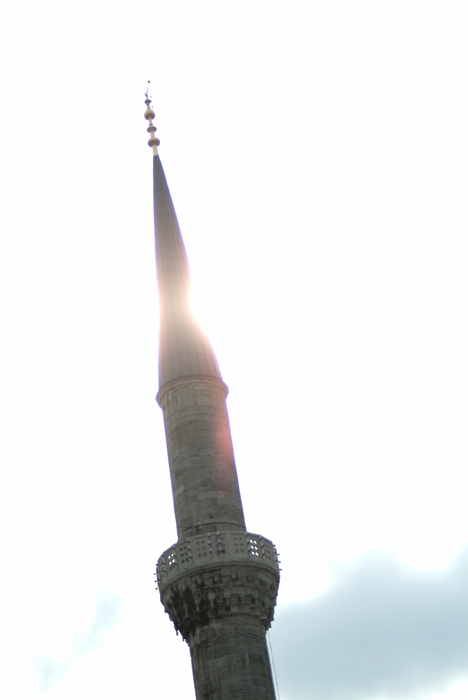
317 157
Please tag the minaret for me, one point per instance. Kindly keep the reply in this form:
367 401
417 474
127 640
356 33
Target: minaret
218 583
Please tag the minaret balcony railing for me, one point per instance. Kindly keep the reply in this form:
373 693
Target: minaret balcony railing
215 547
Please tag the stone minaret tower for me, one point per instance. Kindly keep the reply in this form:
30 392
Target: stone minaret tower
218 583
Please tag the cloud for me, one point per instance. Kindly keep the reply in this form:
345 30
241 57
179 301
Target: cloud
381 631
106 614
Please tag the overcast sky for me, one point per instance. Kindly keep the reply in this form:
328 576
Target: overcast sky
317 156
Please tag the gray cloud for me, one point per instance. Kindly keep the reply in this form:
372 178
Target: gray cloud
382 630
106 615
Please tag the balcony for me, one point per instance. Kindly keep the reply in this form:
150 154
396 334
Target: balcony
215 547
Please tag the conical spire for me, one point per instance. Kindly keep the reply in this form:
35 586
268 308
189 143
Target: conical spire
184 349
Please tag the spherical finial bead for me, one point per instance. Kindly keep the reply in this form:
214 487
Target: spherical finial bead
154 141
149 114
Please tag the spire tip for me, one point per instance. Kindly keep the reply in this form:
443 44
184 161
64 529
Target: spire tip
149 115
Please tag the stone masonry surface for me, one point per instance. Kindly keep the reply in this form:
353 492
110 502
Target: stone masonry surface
201 457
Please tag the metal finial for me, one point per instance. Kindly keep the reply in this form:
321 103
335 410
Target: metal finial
149 115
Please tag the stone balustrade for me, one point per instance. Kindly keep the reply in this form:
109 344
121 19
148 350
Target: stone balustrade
215 547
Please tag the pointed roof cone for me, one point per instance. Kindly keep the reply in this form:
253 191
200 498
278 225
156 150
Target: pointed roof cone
184 348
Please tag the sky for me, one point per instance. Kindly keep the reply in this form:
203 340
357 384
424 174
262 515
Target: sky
317 157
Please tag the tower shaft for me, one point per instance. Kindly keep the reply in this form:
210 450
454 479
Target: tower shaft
201 458
218 583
